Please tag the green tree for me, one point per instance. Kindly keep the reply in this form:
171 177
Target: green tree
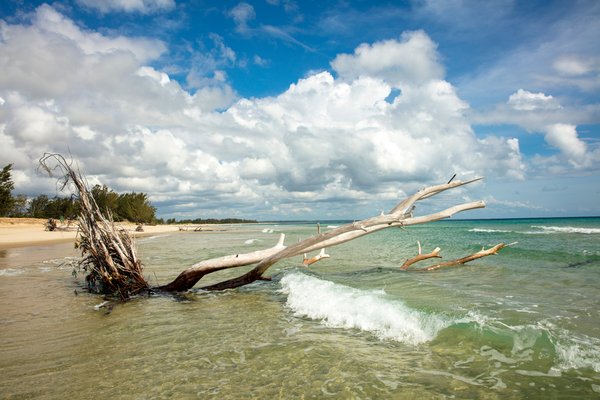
37 207
19 208
136 207
6 187
61 207
106 199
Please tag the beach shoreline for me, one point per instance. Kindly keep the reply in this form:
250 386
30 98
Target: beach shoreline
26 232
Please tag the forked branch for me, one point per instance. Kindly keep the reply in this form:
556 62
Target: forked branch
452 263
398 217
420 257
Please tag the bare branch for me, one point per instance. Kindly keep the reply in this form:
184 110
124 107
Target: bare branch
345 233
318 257
460 261
420 257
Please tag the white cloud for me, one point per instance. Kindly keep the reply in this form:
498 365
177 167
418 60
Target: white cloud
564 137
132 127
574 66
140 6
49 21
412 59
524 100
242 13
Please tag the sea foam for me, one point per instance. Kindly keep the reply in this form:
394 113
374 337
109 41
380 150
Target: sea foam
567 229
11 271
489 230
372 311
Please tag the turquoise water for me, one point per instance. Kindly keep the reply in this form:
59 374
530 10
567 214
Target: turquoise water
522 324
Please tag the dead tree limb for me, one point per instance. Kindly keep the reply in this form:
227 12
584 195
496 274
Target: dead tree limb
460 261
113 266
420 257
109 254
400 216
452 263
309 261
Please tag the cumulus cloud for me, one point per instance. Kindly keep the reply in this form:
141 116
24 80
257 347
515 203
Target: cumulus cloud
564 137
412 59
542 114
326 139
139 6
524 100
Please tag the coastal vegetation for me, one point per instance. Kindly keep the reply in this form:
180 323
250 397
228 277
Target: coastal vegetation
6 186
114 268
134 207
202 221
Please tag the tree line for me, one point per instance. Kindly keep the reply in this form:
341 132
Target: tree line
134 207
199 221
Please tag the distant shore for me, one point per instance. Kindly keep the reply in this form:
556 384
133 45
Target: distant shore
22 232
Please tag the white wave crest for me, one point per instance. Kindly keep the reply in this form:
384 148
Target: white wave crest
267 230
574 351
489 230
341 306
566 229
250 241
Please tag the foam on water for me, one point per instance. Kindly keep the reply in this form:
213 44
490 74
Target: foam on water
574 351
567 229
372 311
11 271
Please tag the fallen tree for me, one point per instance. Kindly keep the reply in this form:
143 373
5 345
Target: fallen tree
111 260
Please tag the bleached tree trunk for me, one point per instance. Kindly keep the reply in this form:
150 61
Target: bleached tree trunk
400 216
114 267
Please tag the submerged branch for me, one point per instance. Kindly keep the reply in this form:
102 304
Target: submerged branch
452 263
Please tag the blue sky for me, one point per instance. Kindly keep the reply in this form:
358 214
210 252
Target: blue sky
280 109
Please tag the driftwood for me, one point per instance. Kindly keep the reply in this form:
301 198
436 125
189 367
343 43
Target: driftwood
400 216
420 257
108 252
114 268
452 263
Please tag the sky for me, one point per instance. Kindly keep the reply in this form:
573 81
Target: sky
290 110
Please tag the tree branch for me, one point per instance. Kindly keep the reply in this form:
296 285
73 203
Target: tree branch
460 261
397 217
420 257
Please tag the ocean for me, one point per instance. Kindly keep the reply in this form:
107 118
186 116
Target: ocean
524 323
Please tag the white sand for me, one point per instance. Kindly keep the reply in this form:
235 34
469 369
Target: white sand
18 232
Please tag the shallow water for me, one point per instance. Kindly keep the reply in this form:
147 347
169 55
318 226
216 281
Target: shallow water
522 324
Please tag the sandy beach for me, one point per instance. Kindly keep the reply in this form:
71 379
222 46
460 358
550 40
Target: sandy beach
20 232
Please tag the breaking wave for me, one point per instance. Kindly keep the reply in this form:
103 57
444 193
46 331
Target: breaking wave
541 230
341 306
566 229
